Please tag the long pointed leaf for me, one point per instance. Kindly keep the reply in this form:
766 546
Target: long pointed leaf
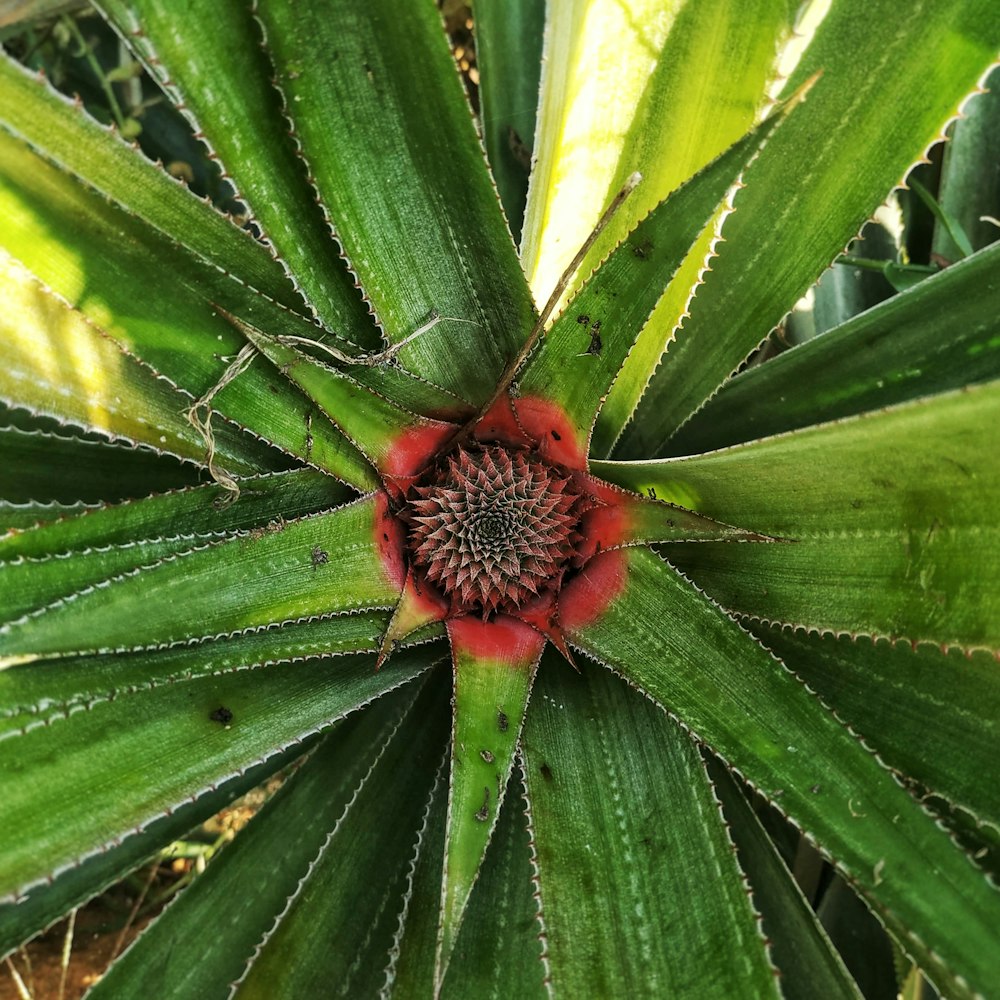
283 839
44 693
809 965
60 807
673 643
35 466
638 880
693 83
891 80
58 364
944 708
319 565
44 904
380 831
63 132
494 667
100 264
373 423
227 96
943 334
197 509
880 543
499 950
509 59
583 351
377 106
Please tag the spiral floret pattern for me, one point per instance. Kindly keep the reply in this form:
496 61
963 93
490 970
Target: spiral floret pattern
495 528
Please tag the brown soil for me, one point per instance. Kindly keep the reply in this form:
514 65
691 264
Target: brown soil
39 963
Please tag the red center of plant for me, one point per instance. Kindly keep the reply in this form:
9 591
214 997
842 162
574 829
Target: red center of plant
493 527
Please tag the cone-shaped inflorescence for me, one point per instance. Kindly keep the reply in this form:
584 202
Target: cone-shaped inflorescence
493 527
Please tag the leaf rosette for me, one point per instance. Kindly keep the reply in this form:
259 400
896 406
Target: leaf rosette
345 466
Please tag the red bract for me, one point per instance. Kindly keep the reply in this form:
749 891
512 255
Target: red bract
496 526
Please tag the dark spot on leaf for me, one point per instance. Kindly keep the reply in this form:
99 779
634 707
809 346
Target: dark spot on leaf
651 492
595 338
518 148
502 721
320 557
546 772
583 319
222 714
642 250
385 536
557 435
484 812
487 755
856 504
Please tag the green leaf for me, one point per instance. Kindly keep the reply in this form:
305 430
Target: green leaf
382 830
810 967
969 190
584 350
44 904
684 652
494 668
943 334
16 517
413 955
881 545
46 563
31 583
624 826
499 950
509 58
198 509
319 565
226 94
100 264
931 715
374 424
859 937
162 746
622 518
377 106
41 694
37 466
693 84
57 364
943 218
890 80
283 839
61 131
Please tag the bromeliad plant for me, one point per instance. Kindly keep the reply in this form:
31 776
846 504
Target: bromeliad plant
360 454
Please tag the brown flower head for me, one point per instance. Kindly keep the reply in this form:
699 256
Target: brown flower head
493 527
